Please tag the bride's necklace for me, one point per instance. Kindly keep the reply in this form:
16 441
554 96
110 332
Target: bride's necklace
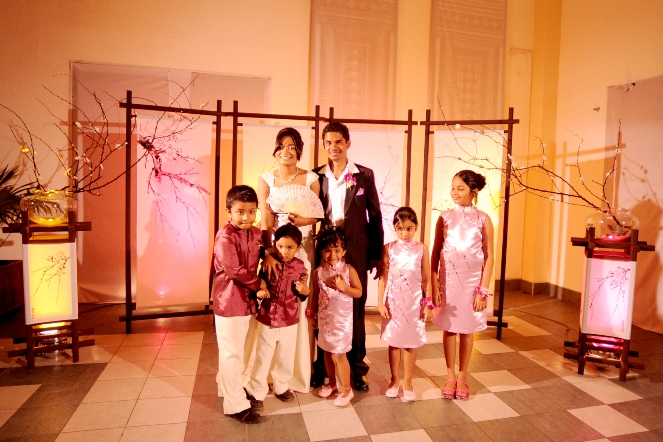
292 178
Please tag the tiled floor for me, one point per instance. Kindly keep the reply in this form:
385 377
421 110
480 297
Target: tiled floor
158 383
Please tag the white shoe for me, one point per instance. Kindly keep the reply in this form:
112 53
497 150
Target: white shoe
392 392
326 391
342 401
409 396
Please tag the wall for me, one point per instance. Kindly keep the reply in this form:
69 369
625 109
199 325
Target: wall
518 85
411 80
542 124
602 43
254 37
39 39
577 50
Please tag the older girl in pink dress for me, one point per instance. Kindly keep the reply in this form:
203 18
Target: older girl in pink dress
461 263
334 286
401 292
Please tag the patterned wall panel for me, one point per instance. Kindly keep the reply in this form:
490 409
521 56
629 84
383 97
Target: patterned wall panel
353 57
466 70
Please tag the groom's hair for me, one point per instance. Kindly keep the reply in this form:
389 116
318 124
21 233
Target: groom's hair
296 138
335 126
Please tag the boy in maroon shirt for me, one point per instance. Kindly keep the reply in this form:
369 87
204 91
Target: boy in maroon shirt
278 318
237 250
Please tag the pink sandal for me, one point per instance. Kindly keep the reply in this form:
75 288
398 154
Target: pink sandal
463 395
449 393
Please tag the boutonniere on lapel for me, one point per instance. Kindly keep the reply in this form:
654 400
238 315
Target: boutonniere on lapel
350 181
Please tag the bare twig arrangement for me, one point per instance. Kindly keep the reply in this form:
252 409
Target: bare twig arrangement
561 189
83 162
523 175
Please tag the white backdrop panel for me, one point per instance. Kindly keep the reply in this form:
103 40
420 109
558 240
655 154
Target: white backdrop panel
173 242
101 250
638 109
382 151
452 150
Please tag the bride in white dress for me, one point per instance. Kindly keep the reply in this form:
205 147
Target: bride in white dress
287 153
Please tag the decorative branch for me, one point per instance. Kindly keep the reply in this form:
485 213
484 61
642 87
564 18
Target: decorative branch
83 163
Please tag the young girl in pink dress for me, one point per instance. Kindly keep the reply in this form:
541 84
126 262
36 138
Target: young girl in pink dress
461 263
401 292
334 286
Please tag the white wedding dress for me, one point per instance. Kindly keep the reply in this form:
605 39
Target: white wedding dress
302 372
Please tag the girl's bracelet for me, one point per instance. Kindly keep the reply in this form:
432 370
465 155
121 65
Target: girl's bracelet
310 313
428 303
483 292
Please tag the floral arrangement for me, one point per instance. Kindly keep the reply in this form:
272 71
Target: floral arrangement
350 180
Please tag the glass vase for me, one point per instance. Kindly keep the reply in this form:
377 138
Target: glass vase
49 207
612 224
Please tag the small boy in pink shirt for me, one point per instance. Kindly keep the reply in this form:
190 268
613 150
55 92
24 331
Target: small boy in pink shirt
277 320
237 249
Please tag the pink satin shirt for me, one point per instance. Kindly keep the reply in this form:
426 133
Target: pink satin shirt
281 309
236 257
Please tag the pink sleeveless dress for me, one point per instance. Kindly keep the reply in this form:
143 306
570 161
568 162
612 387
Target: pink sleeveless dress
460 271
404 328
334 311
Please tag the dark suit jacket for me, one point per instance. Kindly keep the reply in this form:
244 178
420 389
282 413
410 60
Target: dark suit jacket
363 219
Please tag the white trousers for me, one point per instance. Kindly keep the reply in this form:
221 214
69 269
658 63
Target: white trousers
231 338
276 348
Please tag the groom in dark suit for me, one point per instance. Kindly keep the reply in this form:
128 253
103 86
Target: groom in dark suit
350 200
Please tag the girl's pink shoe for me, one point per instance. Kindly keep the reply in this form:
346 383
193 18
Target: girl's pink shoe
462 395
409 396
342 401
392 392
449 393
326 391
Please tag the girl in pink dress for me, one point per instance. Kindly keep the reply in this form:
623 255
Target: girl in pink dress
461 263
401 292
334 286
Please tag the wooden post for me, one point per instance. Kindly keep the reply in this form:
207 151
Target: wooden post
408 163
127 216
505 224
234 155
424 191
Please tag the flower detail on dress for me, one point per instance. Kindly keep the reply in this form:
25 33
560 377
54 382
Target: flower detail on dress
327 317
350 180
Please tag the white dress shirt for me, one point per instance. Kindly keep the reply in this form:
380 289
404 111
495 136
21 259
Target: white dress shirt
336 189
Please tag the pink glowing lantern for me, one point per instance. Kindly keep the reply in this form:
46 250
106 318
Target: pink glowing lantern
607 303
611 251
609 279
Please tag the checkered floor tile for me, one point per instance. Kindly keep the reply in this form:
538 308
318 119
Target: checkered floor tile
159 383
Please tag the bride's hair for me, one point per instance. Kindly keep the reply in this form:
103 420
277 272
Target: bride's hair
296 138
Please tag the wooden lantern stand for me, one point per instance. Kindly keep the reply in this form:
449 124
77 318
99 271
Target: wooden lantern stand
625 251
43 338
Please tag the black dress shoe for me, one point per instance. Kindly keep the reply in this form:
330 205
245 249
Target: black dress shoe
317 380
286 396
247 416
255 403
360 383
